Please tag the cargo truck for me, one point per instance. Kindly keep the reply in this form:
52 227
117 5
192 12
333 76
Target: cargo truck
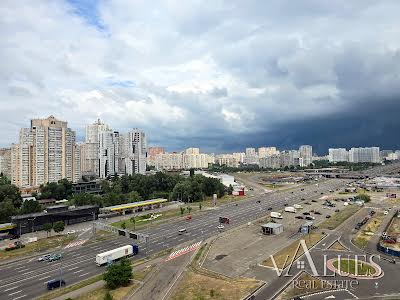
276 215
115 254
290 209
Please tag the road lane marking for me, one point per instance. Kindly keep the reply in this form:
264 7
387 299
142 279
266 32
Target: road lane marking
84 274
9 289
19 268
44 278
78 271
22 270
73 268
19 297
15 293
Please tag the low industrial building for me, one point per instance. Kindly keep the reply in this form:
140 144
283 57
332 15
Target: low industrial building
69 215
306 227
272 228
90 187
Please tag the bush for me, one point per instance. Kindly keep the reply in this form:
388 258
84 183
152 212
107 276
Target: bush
118 274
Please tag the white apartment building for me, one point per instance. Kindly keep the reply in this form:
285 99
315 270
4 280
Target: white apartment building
192 151
270 162
93 130
46 153
367 154
228 160
239 156
251 157
169 161
338 155
5 162
305 152
197 161
134 152
267 151
108 150
89 154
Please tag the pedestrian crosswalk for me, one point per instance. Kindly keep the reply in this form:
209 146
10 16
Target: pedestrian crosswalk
75 244
183 251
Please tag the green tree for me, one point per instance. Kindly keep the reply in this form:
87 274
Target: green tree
200 206
182 210
123 225
7 210
48 227
363 197
118 274
108 296
189 209
230 189
10 192
59 226
133 221
134 196
31 206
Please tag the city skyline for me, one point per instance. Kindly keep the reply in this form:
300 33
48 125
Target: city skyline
235 75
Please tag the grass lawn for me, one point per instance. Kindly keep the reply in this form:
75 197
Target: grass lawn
340 217
117 294
309 284
39 246
290 251
363 236
349 266
199 286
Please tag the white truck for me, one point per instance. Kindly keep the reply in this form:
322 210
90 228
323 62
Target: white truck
298 206
290 209
276 215
111 255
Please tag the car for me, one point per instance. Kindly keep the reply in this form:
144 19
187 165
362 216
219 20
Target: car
44 257
258 201
317 213
55 283
322 193
182 231
307 203
310 218
337 210
188 218
71 232
302 199
299 217
372 212
54 257
269 208
302 189
306 213
327 216
285 204
220 226
292 192
385 212
313 200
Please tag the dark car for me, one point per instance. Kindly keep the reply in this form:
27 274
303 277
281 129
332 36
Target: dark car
307 203
337 210
269 208
55 283
372 212
310 218
322 193
328 216
285 204
258 201
317 213
302 189
302 199
313 200
306 213
299 217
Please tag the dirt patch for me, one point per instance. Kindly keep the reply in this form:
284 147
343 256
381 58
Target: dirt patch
337 246
340 217
364 236
200 286
294 289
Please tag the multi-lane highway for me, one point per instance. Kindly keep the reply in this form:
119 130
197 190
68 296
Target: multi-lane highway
26 279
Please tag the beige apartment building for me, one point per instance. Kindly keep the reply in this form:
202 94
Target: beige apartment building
5 162
46 152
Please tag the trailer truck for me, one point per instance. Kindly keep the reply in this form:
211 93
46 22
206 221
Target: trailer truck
276 215
290 209
115 254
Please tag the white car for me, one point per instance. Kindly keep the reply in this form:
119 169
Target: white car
220 227
44 257
71 231
385 212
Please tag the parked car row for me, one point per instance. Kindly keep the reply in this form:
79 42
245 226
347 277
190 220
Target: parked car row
50 257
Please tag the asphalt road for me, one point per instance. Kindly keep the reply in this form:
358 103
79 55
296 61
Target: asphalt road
26 278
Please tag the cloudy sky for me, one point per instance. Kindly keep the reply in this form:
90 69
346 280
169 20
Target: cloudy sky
221 75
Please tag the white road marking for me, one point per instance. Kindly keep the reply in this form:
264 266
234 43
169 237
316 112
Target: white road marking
44 278
78 271
15 293
9 289
19 297
73 268
84 274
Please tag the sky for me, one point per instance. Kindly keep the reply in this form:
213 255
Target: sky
219 75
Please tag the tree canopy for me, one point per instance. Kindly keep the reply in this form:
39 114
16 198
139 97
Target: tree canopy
118 274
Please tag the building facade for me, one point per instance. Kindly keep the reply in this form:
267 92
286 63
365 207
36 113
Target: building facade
305 152
46 152
5 162
367 154
338 155
152 153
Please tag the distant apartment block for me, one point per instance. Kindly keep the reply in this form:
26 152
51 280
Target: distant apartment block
305 152
267 151
251 157
228 160
5 162
338 155
152 153
367 154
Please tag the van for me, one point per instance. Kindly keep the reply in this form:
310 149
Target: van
55 283
182 231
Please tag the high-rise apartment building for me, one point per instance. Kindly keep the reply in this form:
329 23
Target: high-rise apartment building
267 151
228 160
169 161
270 162
5 162
46 152
305 152
239 156
195 151
338 155
197 161
133 154
251 157
367 154
89 154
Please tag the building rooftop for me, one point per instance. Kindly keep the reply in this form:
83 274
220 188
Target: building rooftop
272 225
40 214
134 204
